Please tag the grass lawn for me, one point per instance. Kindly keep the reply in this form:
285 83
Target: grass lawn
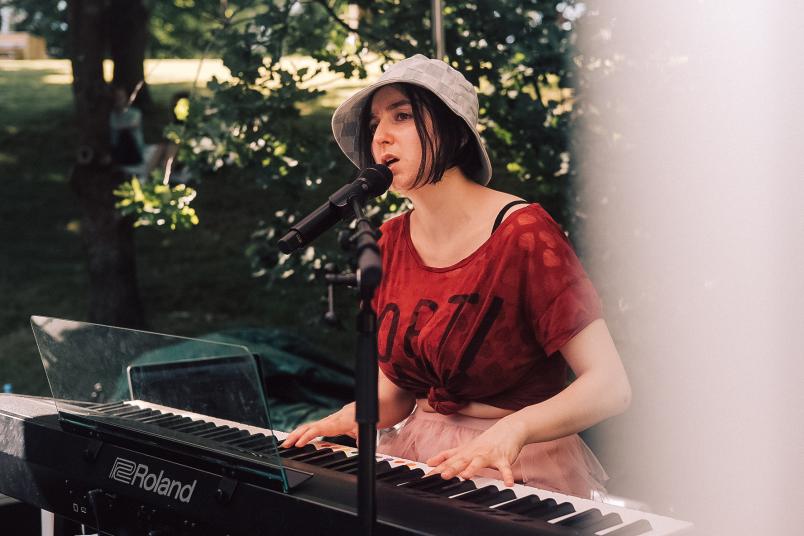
192 282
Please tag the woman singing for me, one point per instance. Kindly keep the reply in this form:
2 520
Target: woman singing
483 307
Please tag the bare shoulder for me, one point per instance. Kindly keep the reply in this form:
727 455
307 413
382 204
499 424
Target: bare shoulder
496 201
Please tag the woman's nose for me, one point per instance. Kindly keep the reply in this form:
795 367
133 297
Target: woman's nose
382 134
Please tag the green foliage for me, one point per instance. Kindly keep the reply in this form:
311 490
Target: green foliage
157 204
183 28
178 28
518 53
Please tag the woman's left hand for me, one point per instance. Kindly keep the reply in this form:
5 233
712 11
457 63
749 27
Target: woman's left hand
497 447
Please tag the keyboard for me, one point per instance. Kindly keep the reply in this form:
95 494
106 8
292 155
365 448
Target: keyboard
409 501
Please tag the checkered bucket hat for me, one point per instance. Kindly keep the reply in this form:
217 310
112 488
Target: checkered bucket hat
442 80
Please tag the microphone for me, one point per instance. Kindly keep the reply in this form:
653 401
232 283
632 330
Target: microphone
370 183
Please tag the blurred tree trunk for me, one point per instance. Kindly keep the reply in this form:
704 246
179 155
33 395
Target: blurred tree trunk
128 39
108 237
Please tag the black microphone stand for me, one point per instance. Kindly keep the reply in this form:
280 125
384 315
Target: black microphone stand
369 274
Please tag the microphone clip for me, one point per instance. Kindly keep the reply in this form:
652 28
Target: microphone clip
332 277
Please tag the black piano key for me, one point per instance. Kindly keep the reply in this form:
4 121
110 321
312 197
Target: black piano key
605 522
524 503
538 508
304 457
633 529
160 418
582 519
504 495
301 452
488 496
201 429
400 474
413 474
346 441
341 465
130 412
392 472
415 484
379 469
233 435
431 481
142 414
146 413
178 421
338 455
123 408
108 406
194 427
324 455
248 441
552 512
454 489
217 431
450 484
479 493
223 436
382 467
293 451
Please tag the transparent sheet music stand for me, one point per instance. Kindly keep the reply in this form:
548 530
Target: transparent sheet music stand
91 367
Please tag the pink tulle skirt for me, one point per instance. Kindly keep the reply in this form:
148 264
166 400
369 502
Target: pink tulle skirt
564 465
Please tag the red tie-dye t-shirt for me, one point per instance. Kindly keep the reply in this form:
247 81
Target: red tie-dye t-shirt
489 328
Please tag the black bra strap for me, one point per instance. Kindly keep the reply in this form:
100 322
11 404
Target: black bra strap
504 210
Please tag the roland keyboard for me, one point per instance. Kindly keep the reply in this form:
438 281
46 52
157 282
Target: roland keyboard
72 473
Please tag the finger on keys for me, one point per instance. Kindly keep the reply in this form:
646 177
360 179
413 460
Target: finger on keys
437 470
440 457
454 466
507 473
289 440
437 462
309 434
472 469
293 438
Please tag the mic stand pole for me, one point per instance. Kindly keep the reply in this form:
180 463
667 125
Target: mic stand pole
369 274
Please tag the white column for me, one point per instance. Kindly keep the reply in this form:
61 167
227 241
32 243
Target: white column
693 196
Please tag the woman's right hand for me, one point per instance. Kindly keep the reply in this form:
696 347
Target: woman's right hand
342 422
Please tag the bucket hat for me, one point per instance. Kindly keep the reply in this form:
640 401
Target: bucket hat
435 75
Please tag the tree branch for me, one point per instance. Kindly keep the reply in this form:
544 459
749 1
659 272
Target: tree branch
363 35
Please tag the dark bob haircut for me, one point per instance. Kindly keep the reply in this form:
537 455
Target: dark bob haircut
450 144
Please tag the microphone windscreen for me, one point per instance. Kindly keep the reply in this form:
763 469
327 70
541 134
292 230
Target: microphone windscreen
378 178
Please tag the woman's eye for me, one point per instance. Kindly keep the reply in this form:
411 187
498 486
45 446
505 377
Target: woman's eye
403 116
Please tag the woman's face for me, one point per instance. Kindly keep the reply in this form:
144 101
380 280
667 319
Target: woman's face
395 141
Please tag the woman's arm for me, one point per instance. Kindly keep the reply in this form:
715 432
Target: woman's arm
600 390
395 404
